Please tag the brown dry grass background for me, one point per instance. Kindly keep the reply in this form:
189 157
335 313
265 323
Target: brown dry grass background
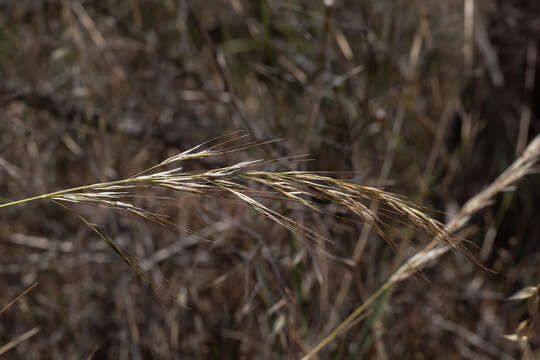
432 100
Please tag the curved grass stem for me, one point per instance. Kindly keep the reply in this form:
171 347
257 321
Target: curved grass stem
66 191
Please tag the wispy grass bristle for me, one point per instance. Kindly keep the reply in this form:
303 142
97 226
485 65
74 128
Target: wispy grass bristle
249 183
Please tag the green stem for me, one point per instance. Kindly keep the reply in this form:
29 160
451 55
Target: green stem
337 331
67 191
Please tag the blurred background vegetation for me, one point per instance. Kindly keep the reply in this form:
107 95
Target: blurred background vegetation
428 99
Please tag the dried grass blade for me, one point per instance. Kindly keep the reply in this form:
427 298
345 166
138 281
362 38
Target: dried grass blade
9 304
521 167
10 345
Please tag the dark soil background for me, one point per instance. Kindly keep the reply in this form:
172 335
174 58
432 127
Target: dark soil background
431 100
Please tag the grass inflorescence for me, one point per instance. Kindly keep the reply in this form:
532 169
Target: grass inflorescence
246 181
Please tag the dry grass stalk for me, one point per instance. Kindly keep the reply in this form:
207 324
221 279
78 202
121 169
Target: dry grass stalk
10 345
17 298
242 181
521 167
25 336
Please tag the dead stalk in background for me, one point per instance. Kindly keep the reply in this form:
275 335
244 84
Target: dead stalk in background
524 165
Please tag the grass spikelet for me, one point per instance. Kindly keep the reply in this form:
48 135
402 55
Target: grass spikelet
243 181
